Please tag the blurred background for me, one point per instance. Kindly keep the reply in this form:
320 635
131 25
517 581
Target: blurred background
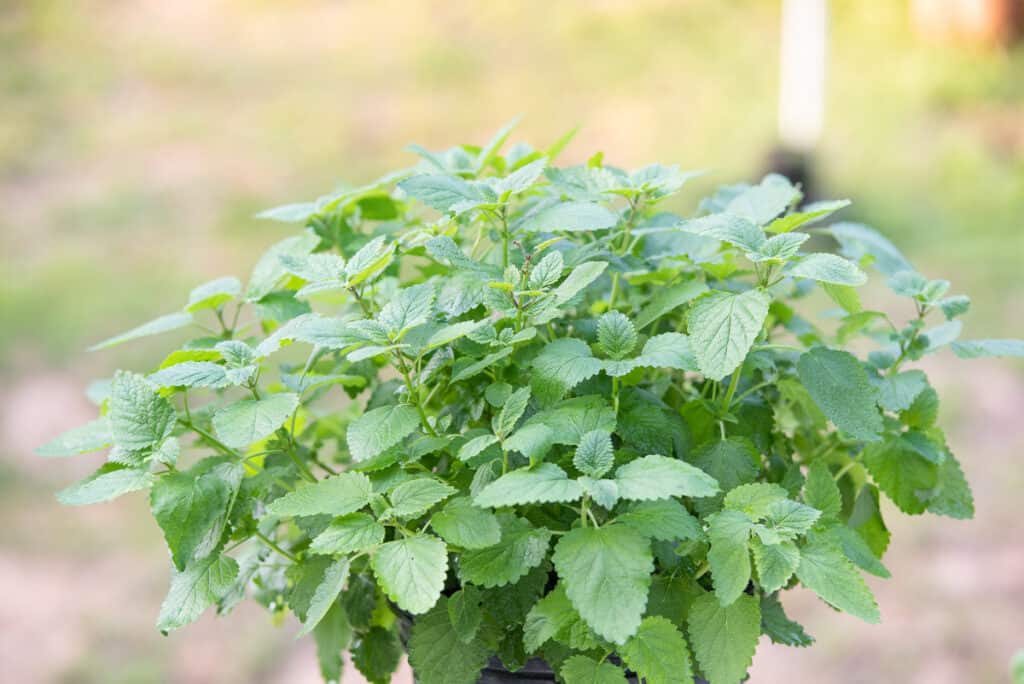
137 138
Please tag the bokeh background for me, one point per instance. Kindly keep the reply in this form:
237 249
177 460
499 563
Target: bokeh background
138 137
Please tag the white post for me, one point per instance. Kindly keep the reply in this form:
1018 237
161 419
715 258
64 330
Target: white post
802 73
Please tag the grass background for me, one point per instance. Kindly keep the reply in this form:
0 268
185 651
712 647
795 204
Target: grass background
138 138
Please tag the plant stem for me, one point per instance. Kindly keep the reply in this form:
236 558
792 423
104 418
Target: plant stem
504 237
733 383
842 471
210 439
615 395
702 570
413 396
266 540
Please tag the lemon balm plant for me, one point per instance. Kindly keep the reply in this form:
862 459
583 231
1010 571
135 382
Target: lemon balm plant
491 411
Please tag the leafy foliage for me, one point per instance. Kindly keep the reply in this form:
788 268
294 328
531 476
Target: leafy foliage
533 412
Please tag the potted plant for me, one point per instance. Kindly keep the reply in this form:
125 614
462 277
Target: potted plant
517 420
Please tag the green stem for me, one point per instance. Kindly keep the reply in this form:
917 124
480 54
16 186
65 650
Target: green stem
266 540
504 237
403 368
842 471
615 395
733 383
615 291
210 439
702 570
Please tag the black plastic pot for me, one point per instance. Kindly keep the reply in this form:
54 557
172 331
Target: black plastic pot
536 670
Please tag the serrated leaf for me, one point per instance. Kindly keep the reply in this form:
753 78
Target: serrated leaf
658 653
250 420
809 214
729 555
521 179
821 491
604 492
775 563
411 571
560 366
594 455
157 326
326 594
547 271
734 229
827 268
665 520
952 497
380 429
476 446
858 241
376 655
549 616
616 334
438 656
350 533
412 306
415 497
92 436
512 411
595 563
213 294
583 670
332 636
977 349
269 271
779 628
139 417
439 191
659 477
826 571
532 441
473 368
754 499
724 638
194 589
191 374
369 261
580 277
464 525
464 612
954 306
667 300
897 392
839 385
900 471
570 217
763 202
337 495
522 547
723 327
109 482
187 505
451 333
668 350
543 483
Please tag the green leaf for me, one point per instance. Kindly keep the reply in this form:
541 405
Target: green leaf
754 499
213 294
157 326
723 327
897 392
596 563
827 268
92 436
764 201
724 638
465 613
451 333
369 261
779 248
668 350
332 636
438 655
464 525
376 655
731 462
412 306
583 670
954 306
976 349
821 491
857 550
594 455
858 241
191 374
580 277
779 628
543 483
522 547
475 367
669 299
476 446
729 556
269 271
109 482
412 498
439 191
250 420
548 271
569 217
326 594
380 429
788 519
549 616
952 497
512 411
411 571
616 334
658 653
350 533
187 505
532 441
560 366
194 589
521 179
839 385
337 495
811 213
666 520
826 571
604 492
139 417
775 563
659 477
900 471
736 230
